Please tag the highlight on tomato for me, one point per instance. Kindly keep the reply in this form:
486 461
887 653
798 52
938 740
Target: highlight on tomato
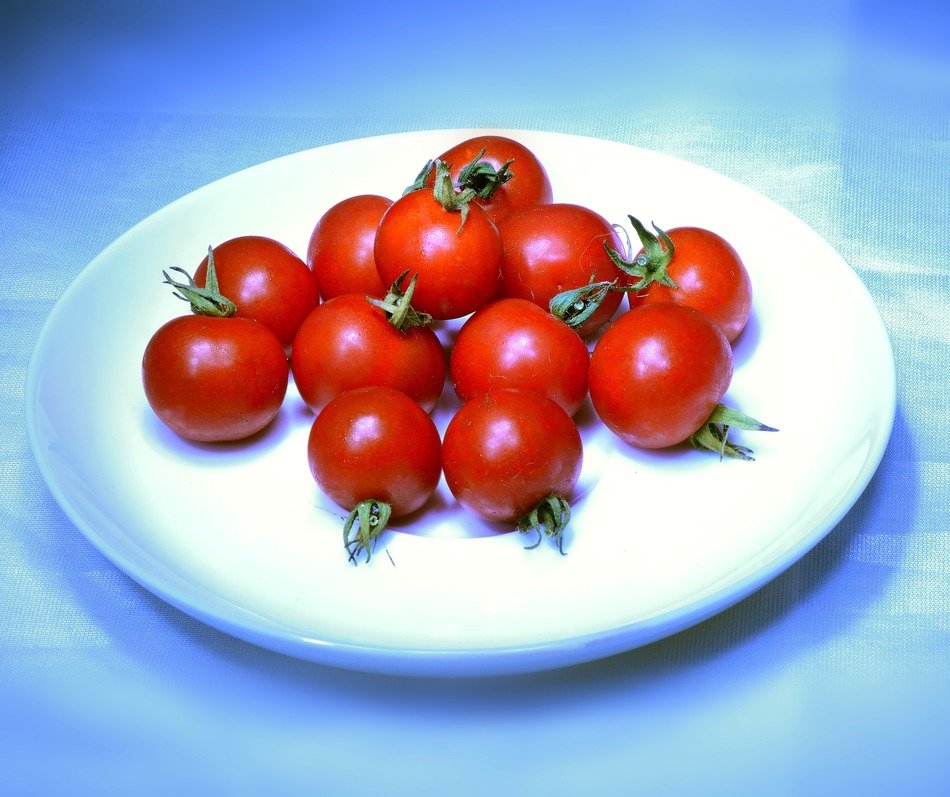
266 281
657 377
515 343
376 453
691 266
514 455
354 341
213 376
340 251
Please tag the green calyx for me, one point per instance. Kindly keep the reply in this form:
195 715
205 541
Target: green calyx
204 301
420 182
713 435
444 191
478 175
483 178
445 194
650 265
576 305
363 526
397 305
549 518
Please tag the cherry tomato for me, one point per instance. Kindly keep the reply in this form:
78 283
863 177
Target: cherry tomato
514 455
214 379
695 267
266 281
527 185
340 251
377 454
553 248
514 343
347 342
454 250
657 374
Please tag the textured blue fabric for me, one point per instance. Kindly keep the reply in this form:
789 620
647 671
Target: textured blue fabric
832 679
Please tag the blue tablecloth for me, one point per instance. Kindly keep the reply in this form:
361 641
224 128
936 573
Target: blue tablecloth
832 679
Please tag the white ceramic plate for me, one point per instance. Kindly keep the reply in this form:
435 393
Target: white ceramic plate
240 537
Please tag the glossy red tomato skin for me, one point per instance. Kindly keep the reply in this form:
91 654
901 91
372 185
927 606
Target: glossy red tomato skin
347 343
529 185
514 343
457 268
266 281
552 248
214 379
506 450
375 443
340 250
657 373
710 276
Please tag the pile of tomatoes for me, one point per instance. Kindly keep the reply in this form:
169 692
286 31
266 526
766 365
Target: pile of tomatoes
555 310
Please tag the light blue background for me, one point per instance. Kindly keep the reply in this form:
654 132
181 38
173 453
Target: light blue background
832 679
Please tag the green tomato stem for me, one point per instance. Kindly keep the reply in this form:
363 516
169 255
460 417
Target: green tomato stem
482 177
363 526
576 305
713 435
397 305
445 194
550 517
420 182
204 301
651 265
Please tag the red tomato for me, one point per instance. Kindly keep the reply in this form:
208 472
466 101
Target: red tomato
528 184
266 281
514 343
347 343
457 263
214 379
375 452
705 270
553 248
340 251
657 374
514 455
